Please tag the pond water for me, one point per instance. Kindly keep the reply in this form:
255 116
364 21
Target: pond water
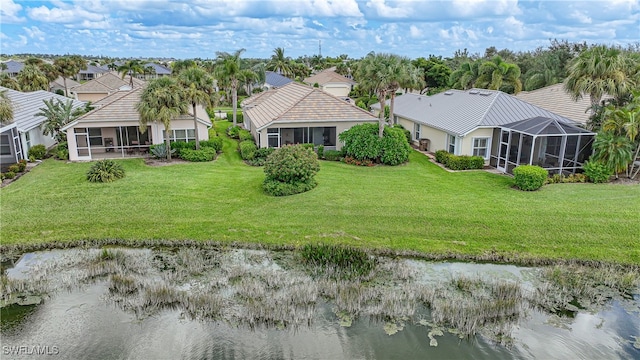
156 304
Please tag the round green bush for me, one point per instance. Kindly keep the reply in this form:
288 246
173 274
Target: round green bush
529 177
290 170
105 171
37 151
248 149
362 142
9 175
395 148
597 172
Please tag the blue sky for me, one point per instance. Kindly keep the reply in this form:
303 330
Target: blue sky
199 28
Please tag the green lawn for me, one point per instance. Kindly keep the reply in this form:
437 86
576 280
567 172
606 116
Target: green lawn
416 206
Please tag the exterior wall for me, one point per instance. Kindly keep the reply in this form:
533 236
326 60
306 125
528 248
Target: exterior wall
262 140
437 138
339 90
466 143
12 158
158 129
37 138
93 97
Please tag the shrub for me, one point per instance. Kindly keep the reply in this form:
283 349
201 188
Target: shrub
2 177
395 148
160 151
105 171
442 156
597 172
407 133
459 162
204 154
293 165
333 155
338 261
233 131
62 154
320 151
9 175
212 131
245 135
38 151
260 156
308 146
247 149
362 142
215 143
239 117
15 168
529 177
61 151
32 159
353 161
22 165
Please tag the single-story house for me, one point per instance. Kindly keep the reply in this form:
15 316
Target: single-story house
103 86
112 129
12 67
332 82
58 84
296 114
27 124
274 80
91 72
505 130
555 99
159 70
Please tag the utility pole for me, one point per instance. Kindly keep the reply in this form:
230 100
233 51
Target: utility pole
320 48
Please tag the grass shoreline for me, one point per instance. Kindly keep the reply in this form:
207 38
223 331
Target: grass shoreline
417 208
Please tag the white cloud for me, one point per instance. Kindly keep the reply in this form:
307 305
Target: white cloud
385 11
378 39
581 17
514 27
9 12
62 15
318 23
415 32
34 33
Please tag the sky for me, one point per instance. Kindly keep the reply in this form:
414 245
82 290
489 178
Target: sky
198 28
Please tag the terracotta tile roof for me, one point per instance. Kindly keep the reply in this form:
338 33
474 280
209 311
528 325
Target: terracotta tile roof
326 77
121 107
295 102
107 83
555 99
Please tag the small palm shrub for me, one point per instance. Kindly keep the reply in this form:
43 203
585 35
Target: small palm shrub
38 151
247 149
105 171
529 177
597 172
159 151
290 170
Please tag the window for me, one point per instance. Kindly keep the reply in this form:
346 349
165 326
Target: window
416 131
27 140
451 141
95 136
183 135
5 145
273 138
481 147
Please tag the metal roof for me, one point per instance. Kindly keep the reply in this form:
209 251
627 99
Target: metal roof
276 80
545 126
92 69
13 67
459 112
27 104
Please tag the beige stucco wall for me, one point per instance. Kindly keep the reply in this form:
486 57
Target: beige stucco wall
336 89
262 140
466 145
93 97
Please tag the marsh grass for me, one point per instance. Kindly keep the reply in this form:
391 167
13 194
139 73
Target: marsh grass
337 260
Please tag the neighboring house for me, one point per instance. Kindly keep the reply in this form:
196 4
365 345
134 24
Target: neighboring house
332 82
112 129
104 86
158 70
555 99
91 72
10 147
274 80
13 68
58 84
296 114
503 129
26 124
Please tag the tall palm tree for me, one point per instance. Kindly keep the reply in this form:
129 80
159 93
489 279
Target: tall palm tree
496 74
198 89
466 76
131 68
31 78
228 67
179 65
597 71
57 114
50 71
6 108
374 76
9 82
402 74
69 66
161 100
280 63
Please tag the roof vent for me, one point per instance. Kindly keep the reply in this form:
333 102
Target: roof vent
448 92
473 92
485 93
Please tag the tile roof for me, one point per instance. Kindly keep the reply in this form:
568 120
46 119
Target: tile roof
295 102
459 112
107 83
13 67
555 99
27 104
326 77
276 80
59 82
121 107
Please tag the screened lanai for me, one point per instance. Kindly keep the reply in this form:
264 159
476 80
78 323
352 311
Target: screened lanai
560 148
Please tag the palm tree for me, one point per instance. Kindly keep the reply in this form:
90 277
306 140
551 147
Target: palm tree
402 74
466 76
161 100
149 70
179 65
280 63
57 114
497 74
374 75
31 78
6 108
68 67
50 71
198 90
9 82
597 71
131 68
613 150
228 68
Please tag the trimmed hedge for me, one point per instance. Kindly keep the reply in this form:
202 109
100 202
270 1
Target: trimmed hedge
247 149
332 155
597 172
244 135
37 151
459 162
239 116
529 177
180 147
204 154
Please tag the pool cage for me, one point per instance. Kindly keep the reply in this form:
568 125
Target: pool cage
558 147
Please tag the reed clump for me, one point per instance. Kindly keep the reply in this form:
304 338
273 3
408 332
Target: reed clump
337 261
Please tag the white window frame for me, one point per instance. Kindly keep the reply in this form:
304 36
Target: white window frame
455 144
186 137
27 140
6 144
273 134
416 131
487 147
